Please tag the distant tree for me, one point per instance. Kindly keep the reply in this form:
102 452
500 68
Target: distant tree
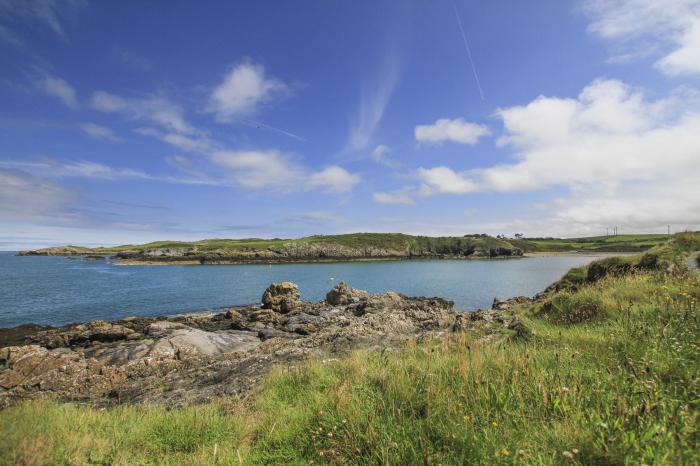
518 236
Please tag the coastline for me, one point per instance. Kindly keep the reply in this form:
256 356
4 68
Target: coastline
333 260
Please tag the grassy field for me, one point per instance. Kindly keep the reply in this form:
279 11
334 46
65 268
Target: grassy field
606 373
402 242
394 241
619 243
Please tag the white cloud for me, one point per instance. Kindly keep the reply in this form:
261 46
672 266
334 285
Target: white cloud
636 25
244 88
609 134
380 155
99 132
155 109
23 196
400 196
457 130
444 180
637 206
624 159
57 87
274 170
333 179
373 103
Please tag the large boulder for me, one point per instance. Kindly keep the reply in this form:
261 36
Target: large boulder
342 294
282 297
178 341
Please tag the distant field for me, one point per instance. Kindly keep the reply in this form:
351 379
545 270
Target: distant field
401 242
619 243
395 241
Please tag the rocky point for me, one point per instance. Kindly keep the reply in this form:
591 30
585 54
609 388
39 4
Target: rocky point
189 359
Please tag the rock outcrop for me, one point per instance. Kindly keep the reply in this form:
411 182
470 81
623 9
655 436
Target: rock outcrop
281 297
342 294
186 359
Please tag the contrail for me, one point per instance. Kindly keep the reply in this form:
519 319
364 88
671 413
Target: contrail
272 128
469 52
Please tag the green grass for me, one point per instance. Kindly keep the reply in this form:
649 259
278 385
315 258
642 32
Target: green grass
607 374
414 244
619 243
408 243
391 241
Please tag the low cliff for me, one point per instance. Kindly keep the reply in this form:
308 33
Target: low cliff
361 246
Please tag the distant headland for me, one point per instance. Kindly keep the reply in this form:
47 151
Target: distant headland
348 247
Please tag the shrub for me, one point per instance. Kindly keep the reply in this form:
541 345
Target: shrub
573 308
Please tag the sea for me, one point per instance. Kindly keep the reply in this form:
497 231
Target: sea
58 290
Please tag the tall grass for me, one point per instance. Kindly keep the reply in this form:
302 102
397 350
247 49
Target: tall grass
615 386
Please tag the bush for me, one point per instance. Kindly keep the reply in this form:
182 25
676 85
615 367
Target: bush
573 308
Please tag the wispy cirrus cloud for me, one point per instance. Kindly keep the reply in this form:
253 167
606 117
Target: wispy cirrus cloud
197 142
51 13
153 108
59 88
9 36
50 168
131 59
373 102
99 132
25 196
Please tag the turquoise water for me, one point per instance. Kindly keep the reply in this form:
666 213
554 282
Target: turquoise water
55 290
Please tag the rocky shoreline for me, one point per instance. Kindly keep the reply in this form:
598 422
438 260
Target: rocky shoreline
192 358
292 252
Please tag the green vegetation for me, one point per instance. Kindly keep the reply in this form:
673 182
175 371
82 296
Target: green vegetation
409 243
394 241
607 374
619 243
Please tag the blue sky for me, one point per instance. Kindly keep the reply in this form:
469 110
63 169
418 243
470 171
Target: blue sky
124 122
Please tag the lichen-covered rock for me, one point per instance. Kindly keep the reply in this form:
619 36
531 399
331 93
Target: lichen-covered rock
281 297
342 294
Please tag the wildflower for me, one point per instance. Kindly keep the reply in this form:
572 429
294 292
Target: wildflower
330 434
521 453
564 390
466 418
505 452
494 423
574 451
568 455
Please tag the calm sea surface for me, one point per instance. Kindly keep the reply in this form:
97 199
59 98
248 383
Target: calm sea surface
55 290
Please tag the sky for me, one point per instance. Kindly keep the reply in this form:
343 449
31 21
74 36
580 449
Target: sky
128 122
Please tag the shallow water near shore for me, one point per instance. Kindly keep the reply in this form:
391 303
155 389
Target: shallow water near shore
56 290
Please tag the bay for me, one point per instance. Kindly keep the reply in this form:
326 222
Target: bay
57 290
